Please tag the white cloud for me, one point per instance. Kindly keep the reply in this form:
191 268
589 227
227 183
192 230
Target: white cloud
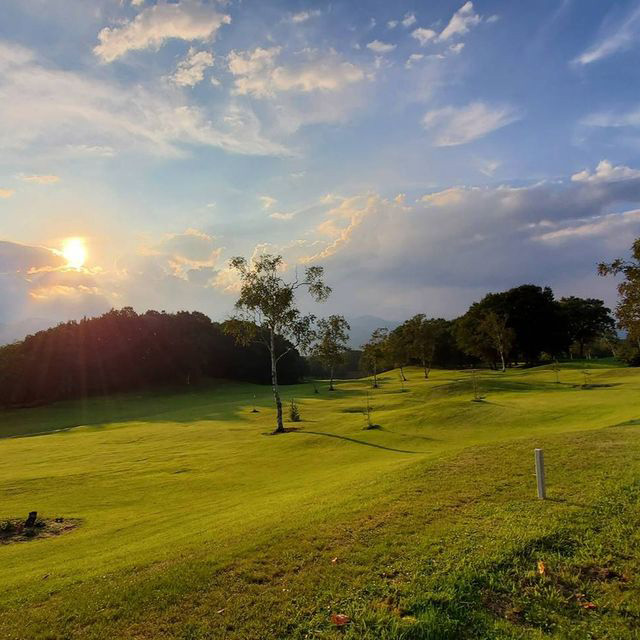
6 193
187 20
606 172
464 241
412 59
488 167
593 227
392 24
461 21
380 47
40 179
303 16
613 120
257 74
267 202
457 48
190 71
620 37
423 36
47 108
460 125
278 215
408 20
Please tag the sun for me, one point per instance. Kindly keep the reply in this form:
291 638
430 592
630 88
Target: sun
74 252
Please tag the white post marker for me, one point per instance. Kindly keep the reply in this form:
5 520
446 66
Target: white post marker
542 493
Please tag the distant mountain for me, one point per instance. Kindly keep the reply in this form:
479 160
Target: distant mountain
363 326
19 330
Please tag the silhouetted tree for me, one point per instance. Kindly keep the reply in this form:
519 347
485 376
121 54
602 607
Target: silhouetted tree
587 320
398 349
331 346
373 352
628 308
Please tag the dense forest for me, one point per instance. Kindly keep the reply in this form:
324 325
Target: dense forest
122 350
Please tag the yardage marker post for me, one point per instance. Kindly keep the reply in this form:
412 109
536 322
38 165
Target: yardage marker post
542 493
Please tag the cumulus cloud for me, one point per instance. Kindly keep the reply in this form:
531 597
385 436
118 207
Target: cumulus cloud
190 71
408 20
257 73
423 36
187 20
464 241
20 258
380 47
459 25
615 38
413 59
461 22
460 125
34 283
183 252
6 193
606 172
595 226
43 107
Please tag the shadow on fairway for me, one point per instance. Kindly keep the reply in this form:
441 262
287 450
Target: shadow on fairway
366 444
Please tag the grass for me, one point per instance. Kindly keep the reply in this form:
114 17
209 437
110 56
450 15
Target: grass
194 524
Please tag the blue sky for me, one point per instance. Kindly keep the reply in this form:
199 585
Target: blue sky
425 153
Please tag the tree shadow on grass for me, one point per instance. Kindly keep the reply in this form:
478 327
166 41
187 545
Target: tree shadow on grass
366 444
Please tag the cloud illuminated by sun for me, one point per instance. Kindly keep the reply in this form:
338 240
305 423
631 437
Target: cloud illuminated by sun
74 252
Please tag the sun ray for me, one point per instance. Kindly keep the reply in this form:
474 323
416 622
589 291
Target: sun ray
74 252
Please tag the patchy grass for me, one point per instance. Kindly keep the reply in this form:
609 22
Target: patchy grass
195 526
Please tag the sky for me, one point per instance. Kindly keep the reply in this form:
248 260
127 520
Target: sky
423 152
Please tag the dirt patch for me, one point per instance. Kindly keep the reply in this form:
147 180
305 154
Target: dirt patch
16 530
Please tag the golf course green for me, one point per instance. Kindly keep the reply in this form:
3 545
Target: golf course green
194 523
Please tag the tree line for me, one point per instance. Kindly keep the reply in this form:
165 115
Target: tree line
523 325
124 351
263 340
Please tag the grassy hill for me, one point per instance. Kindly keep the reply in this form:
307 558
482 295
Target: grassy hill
195 524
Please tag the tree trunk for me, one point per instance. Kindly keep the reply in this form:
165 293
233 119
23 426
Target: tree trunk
331 381
404 379
274 385
426 369
504 366
581 349
375 375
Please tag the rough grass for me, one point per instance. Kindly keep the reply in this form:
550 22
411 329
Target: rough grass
195 525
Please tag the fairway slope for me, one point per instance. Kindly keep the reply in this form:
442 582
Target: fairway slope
194 524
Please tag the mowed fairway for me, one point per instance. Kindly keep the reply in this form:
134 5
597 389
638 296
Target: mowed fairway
196 524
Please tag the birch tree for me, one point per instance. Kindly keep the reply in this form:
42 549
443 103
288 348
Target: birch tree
267 308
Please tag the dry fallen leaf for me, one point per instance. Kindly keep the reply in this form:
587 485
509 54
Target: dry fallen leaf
542 570
220 611
589 605
340 619
334 561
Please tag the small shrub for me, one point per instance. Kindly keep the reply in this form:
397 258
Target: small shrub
294 412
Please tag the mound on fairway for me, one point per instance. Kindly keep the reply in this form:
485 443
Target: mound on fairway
195 525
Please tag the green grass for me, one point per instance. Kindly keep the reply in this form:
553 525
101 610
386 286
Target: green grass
195 524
